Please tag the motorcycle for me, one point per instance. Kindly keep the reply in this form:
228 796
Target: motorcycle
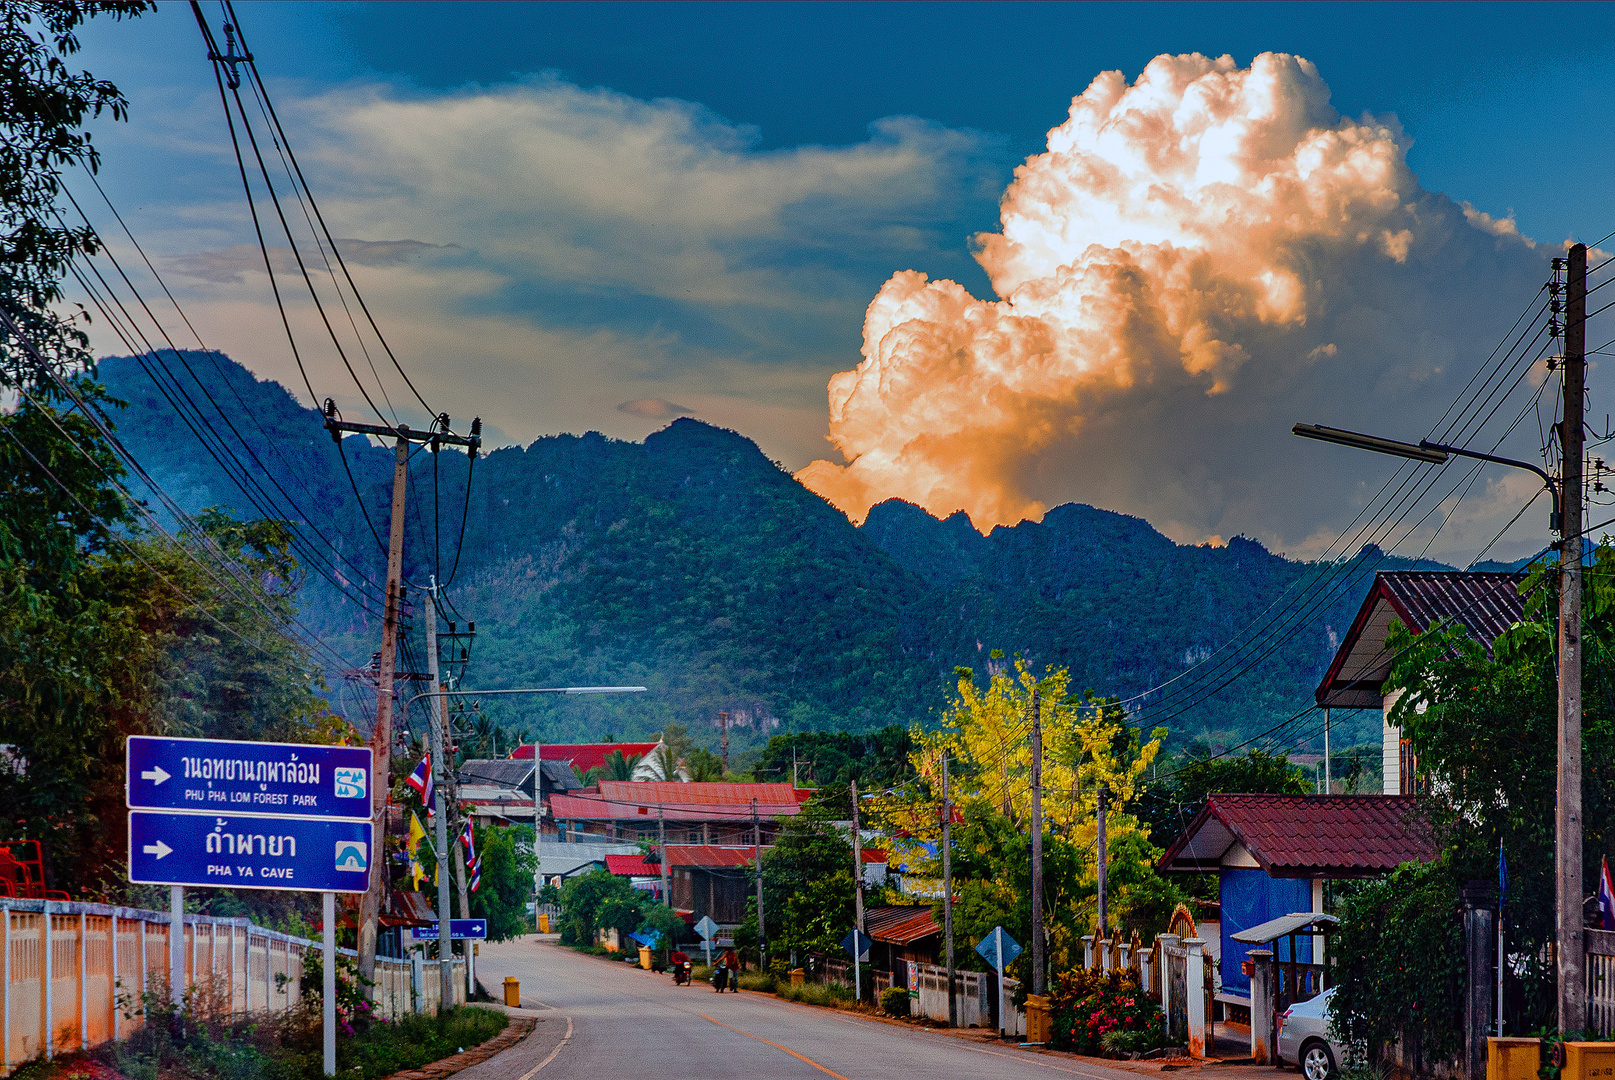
681 973
720 978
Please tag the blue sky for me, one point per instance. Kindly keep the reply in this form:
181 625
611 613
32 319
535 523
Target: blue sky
620 212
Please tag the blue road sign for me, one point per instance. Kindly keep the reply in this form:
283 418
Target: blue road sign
459 930
215 776
988 948
864 942
248 852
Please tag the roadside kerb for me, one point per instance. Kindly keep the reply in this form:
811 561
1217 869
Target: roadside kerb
518 1029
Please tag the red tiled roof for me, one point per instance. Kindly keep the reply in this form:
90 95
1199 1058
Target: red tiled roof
900 924
584 756
670 793
1303 836
630 866
1485 602
619 800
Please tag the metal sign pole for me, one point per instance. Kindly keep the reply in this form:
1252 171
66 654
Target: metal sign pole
328 1005
176 944
998 951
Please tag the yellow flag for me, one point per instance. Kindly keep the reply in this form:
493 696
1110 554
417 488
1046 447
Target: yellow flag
416 873
416 835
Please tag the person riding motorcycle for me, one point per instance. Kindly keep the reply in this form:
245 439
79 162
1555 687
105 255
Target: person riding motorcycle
681 967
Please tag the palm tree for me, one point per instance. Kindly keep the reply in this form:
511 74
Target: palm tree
664 763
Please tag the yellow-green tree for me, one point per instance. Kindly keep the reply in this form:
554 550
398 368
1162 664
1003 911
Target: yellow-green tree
1087 746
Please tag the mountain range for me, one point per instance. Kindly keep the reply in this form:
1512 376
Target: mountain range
692 564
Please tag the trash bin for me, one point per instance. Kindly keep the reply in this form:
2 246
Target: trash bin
1513 1059
1585 1060
798 976
1037 1019
644 957
543 922
513 992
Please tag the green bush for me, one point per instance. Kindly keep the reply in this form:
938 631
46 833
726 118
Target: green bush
1088 1005
833 994
757 980
894 1001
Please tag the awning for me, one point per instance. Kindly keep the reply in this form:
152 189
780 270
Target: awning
1315 922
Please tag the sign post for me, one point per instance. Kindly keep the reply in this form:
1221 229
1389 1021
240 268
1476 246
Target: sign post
857 943
706 928
999 949
247 815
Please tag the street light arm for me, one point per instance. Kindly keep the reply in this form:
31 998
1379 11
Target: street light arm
528 690
1553 485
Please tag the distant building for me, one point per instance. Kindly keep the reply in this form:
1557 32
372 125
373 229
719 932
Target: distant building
697 813
581 757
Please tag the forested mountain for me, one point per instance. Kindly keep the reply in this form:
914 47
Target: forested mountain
692 564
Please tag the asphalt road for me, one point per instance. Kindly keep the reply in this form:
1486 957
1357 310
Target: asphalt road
603 1019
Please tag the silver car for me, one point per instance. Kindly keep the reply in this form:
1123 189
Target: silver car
1304 1038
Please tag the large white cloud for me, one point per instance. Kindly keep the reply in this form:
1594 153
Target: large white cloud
1199 259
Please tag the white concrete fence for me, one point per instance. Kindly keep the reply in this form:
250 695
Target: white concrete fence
74 975
972 994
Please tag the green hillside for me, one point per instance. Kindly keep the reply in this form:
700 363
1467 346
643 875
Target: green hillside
694 565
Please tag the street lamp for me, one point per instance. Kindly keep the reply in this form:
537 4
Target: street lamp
445 948
1431 453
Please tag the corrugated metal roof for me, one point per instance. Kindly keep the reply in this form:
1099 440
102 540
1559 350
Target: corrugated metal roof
631 866
584 755
680 856
1486 603
1284 926
671 793
1292 836
498 772
900 924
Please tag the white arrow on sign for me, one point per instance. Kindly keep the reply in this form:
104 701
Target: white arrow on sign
156 775
158 849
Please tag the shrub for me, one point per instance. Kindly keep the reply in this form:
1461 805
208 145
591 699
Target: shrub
757 980
894 1001
1088 1005
833 994
1121 1043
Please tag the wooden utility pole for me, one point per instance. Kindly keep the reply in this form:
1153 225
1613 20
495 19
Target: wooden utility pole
947 890
381 735
1039 962
757 848
1101 843
723 742
435 740
1567 824
857 892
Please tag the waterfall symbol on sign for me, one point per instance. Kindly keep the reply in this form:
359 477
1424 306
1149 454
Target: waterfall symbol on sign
352 855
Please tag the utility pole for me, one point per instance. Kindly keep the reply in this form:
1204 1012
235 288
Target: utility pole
1102 844
857 893
757 847
434 735
661 830
1038 949
1567 824
381 735
723 741
947 890
1328 773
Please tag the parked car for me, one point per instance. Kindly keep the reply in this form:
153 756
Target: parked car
1305 1039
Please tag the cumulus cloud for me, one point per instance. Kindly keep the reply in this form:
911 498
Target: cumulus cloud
1200 258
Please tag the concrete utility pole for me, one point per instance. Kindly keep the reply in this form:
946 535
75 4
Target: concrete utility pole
1102 875
381 736
661 832
947 890
723 741
1039 962
757 848
1328 770
1567 824
857 892
434 733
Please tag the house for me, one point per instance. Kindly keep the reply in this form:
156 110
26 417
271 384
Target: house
582 757
708 880
724 814
1273 853
903 934
1485 603
501 790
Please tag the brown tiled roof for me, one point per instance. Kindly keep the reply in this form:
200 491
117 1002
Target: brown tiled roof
900 924
1291 836
1486 603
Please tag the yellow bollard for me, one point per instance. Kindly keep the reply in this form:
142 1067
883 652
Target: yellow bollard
1038 1023
1513 1059
513 992
543 922
1588 1060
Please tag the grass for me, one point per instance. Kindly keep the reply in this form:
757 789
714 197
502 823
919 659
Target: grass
286 1047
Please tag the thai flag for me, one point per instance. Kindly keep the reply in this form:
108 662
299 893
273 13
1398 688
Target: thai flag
421 781
1606 899
476 875
470 841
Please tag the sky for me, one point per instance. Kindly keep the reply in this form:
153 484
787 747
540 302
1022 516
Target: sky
572 217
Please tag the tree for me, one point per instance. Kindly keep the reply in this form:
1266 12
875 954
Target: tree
507 879
876 759
598 901
618 766
807 882
1168 805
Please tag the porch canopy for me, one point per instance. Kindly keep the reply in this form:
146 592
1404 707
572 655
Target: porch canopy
1302 922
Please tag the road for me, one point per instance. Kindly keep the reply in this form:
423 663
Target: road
628 1023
